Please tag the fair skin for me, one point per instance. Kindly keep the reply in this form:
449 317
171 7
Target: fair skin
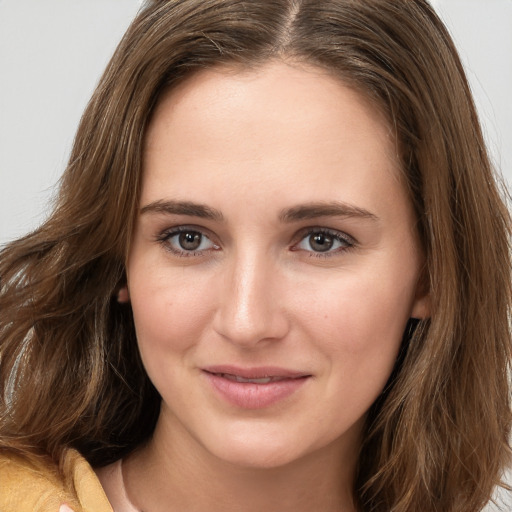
275 240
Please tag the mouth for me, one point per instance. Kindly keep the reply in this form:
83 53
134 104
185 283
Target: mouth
256 375
254 388
253 380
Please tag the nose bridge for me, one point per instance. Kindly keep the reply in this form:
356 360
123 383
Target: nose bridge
250 309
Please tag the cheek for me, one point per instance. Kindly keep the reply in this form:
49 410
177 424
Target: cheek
358 328
169 310
170 314
358 322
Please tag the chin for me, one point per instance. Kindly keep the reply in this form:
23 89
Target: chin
258 457
260 449
261 446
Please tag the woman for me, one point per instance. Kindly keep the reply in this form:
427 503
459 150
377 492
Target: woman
277 275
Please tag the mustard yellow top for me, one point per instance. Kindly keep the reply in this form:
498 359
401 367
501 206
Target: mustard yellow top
37 486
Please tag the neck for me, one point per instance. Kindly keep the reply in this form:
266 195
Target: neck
174 473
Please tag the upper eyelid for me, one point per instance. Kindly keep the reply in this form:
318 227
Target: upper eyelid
320 229
296 238
306 229
164 238
184 227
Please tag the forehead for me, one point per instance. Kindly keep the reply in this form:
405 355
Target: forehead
275 92
275 127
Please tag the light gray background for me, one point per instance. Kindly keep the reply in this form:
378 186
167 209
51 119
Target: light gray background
52 53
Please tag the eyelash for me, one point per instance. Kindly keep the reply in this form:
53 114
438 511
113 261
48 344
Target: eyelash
165 237
347 241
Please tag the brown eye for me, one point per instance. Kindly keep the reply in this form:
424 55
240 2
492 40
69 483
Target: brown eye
187 242
321 242
190 240
328 242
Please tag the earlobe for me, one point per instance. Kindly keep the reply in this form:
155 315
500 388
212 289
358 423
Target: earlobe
422 305
123 295
421 308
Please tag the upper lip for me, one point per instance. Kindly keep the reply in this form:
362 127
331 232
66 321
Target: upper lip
258 372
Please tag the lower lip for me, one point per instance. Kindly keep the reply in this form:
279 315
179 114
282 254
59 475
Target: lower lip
249 395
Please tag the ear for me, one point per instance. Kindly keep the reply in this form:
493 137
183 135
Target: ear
123 295
421 308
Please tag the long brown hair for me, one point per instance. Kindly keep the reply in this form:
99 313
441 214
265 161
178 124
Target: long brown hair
70 372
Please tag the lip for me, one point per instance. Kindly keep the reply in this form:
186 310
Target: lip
254 388
257 372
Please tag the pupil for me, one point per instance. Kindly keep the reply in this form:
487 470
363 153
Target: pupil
190 241
321 242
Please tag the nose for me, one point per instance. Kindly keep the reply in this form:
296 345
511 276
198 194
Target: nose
251 305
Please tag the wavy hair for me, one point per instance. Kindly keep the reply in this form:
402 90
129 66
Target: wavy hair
70 371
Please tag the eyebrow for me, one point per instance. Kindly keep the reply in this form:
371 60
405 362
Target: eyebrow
183 208
325 209
296 213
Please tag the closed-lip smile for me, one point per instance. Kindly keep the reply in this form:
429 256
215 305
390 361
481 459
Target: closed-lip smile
254 388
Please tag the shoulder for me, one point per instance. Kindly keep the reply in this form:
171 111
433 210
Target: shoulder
35 484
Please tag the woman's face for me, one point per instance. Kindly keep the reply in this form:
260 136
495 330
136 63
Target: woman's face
274 263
